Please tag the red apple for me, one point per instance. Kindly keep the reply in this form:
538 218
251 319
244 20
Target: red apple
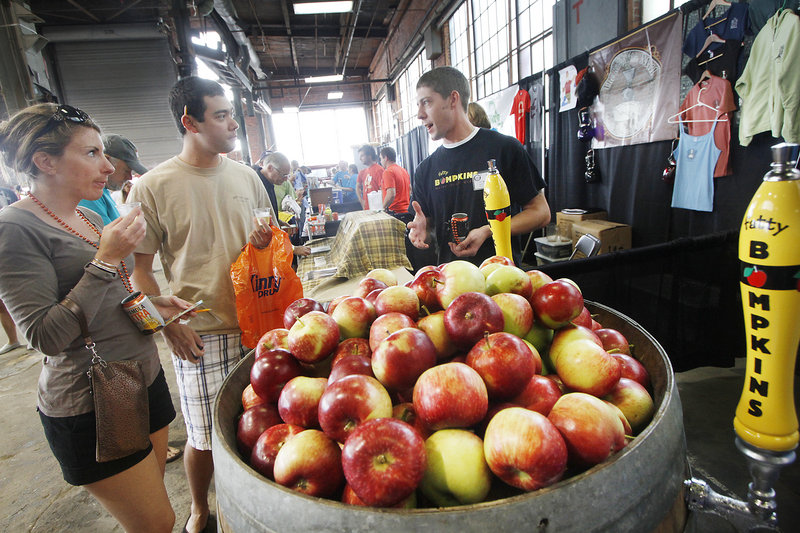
471 315
355 346
433 326
367 285
634 401
591 430
262 458
398 299
596 325
524 449
538 278
424 284
509 279
354 316
614 341
349 497
310 462
633 369
387 324
457 278
383 461
351 365
298 308
540 395
584 319
557 303
274 338
333 303
313 337
372 297
349 402
253 423
271 371
450 395
401 357
505 363
250 398
299 400
499 259
517 313
586 367
625 424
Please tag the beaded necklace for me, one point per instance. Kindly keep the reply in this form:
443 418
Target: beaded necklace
124 278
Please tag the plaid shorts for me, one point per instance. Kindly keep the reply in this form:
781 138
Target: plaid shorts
199 384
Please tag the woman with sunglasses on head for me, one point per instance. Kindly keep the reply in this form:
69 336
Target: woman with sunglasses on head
50 251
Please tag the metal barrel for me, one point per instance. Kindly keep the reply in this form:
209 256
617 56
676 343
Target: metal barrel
638 489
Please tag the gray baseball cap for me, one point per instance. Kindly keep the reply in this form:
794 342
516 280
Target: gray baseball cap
121 148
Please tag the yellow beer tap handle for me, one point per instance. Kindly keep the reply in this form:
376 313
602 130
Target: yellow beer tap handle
770 288
498 211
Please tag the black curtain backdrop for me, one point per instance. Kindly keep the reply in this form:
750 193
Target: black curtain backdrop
413 149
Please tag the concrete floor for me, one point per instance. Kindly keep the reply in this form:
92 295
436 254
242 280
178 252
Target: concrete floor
34 497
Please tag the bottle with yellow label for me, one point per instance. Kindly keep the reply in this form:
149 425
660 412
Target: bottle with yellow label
498 211
769 254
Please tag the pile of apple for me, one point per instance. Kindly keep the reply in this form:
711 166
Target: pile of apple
436 387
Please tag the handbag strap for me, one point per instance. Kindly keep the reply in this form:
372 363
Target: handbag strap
77 312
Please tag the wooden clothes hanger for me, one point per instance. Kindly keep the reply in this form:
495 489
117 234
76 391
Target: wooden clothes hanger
676 118
715 3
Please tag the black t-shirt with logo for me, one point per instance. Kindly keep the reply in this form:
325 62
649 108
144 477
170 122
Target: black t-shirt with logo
443 185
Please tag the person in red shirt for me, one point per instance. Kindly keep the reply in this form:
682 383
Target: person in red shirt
369 179
395 186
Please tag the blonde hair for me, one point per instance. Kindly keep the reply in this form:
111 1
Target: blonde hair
30 131
477 116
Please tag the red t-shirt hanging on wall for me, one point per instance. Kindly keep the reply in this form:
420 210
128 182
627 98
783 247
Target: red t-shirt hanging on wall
522 104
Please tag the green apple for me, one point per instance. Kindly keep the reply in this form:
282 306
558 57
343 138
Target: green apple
511 279
540 336
457 472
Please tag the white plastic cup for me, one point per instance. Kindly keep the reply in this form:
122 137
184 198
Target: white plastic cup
127 207
263 216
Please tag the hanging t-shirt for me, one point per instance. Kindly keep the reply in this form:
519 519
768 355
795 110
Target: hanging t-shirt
522 104
733 24
723 62
537 108
717 93
694 181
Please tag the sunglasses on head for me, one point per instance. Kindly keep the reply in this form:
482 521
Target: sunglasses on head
63 113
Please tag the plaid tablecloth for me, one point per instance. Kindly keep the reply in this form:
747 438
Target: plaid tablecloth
365 240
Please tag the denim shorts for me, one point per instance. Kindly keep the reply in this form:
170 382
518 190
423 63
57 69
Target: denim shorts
73 439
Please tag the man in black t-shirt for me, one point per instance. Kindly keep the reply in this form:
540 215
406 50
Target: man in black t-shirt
451 179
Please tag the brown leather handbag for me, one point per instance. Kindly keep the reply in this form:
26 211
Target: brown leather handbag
120 400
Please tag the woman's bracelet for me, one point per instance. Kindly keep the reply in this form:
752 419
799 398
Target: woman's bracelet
101 263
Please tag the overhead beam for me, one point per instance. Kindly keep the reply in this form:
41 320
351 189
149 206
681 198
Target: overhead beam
291 74
277 85
288 25
83 10
274 30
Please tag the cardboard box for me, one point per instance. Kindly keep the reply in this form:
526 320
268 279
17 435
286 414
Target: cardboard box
613 235
564 221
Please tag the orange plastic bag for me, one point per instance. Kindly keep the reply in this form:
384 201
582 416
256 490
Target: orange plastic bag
265 285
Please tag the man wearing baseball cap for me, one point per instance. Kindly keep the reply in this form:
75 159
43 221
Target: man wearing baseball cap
123 155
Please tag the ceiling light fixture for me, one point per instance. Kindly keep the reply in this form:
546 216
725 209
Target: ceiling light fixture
324 79
314 8
291 109
335 95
